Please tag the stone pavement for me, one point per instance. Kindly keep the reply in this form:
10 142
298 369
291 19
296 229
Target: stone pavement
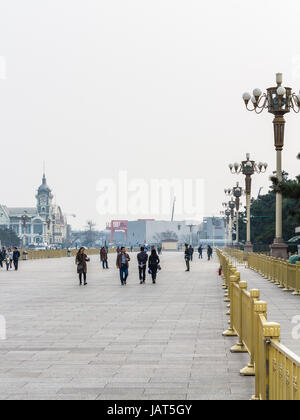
282 306
105 341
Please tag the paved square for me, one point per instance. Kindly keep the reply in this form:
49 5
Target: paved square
105 341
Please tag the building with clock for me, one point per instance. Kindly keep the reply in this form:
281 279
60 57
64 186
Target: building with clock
44 224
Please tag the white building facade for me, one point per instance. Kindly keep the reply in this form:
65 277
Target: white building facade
44 224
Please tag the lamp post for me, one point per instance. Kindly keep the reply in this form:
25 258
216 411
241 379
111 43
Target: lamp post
24 219
231 205
191 233
278 101
248 168
237 192
227 214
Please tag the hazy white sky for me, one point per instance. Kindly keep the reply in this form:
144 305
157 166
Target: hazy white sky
151 87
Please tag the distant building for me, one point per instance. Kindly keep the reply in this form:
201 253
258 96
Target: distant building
212 230
170 245
155 231
43 224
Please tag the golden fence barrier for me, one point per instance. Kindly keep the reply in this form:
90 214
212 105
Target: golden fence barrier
278 271
52 253
237 254
276 368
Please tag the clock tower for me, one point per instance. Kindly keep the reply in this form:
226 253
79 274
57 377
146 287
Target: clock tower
44 200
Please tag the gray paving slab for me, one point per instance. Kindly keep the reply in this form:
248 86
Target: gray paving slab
105 341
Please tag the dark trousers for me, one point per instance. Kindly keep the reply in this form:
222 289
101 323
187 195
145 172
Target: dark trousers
16 264
123 273
187 265
84 278
153 273
104 263
200 254
142 273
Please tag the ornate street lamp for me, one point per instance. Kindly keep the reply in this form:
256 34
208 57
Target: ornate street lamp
25 218
278 101
229 212
237 192
248 168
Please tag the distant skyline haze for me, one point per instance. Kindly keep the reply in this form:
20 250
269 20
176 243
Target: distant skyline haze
153 88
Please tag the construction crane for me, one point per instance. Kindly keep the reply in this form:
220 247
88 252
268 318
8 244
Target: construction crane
173 209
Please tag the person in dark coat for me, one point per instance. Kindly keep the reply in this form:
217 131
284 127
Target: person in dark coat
16 256
2 256
123 264
142 258
191 251
103 257
187 257
154 264
209 252
200 251
81 262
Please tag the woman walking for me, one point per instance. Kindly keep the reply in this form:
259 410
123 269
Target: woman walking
154 264
9 259
81 262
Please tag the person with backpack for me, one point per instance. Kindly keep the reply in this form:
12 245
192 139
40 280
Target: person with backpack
142 258
81 262
154 262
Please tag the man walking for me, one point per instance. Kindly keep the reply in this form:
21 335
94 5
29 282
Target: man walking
123 264
187 257
103 257
209 252
200 251
191 250
16 256
142 258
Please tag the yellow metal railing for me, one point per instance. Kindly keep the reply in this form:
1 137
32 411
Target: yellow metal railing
276 270
276 368
59 253
237 254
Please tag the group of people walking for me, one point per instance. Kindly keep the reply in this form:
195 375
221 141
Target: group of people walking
189 252
153 264
9 258
122 263
143 261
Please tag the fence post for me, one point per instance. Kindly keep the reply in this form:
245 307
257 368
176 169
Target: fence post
285 277
239 346
297 290
249 370
231 332
259 308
